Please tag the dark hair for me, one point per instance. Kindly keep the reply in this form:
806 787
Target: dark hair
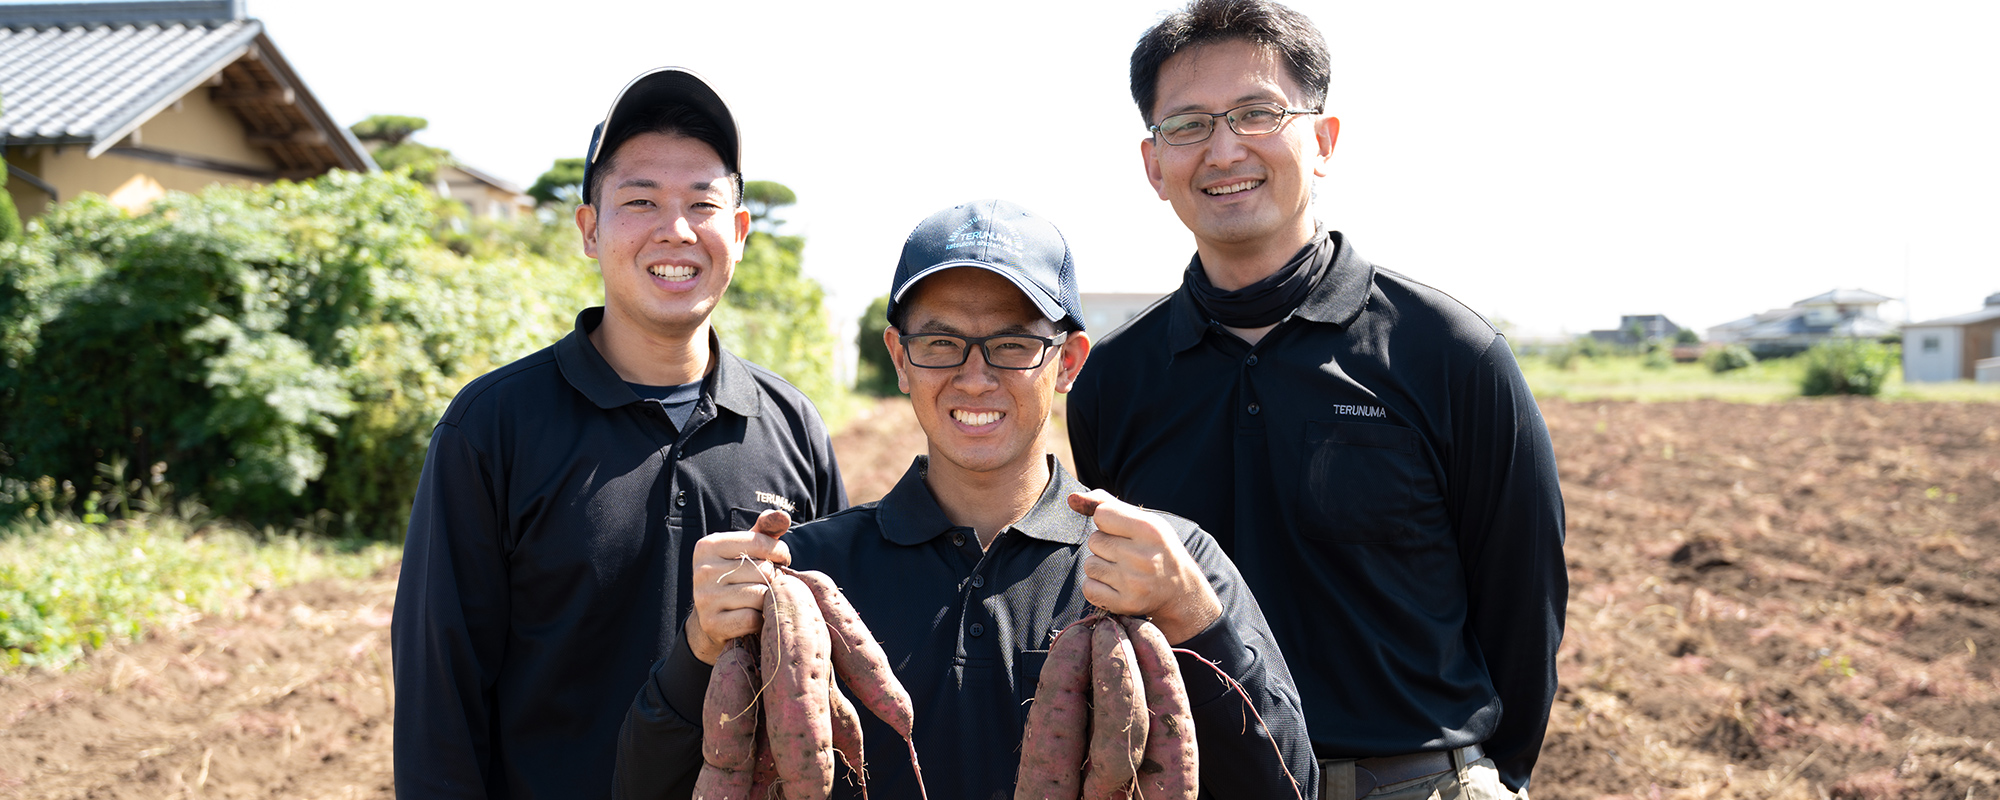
672 120
1260 22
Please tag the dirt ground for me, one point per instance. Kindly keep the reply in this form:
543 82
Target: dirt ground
1784 601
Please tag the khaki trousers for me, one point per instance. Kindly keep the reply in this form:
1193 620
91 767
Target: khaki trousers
1476 780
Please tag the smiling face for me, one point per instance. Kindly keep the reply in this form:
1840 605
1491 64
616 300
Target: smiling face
978 418
1243 197
666 232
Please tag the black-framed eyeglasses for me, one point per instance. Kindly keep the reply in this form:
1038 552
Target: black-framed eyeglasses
1255 119
1003 351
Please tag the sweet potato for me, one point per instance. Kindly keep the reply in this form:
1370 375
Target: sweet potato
764 776
859 659
729 710
796 670
1058 728
716 783
1171 767
847 736
1118 714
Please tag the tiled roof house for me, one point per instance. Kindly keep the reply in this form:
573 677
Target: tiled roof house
134 99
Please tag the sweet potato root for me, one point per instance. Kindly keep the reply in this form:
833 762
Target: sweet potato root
1171 767
795 667
1058 728
859 659
729 710
1117 714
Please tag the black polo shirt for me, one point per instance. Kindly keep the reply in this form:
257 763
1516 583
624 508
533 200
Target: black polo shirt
1381 474
967 632
554 519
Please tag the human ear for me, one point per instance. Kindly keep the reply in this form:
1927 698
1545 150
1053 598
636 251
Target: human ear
586 221
891 338
1153 176
1325 133
1075 351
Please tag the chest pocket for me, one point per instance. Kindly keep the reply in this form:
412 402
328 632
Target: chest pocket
1365 483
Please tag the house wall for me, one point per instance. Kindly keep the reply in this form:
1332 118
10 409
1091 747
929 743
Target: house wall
1933 354
1982 341
195 126
198 127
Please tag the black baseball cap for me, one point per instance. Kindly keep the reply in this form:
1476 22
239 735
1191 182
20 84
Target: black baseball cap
999 237
664 86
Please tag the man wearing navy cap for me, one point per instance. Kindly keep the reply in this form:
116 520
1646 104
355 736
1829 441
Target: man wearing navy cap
968 568
563 494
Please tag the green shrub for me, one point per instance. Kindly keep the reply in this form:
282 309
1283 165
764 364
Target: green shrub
1846 366
775 316
1730 358
875 372
1658 356
275 350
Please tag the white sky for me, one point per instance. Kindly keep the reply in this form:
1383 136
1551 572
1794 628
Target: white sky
1552 164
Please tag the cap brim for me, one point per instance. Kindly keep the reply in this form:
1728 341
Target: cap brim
1050 308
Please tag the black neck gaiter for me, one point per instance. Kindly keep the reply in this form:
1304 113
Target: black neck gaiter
1266 301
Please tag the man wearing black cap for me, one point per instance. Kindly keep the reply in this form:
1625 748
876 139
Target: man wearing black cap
1361 444
563 493
968 568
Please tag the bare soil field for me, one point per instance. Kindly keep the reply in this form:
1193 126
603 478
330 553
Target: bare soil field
1795 600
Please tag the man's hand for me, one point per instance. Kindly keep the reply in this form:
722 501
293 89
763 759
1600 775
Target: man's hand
1138 567
732 573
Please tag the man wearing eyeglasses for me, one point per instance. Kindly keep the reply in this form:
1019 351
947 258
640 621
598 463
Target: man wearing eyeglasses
1361 444
969 567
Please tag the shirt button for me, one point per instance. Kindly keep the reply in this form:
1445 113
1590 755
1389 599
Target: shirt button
958 540
1251 361
978 629
681 498
1254 408
978 581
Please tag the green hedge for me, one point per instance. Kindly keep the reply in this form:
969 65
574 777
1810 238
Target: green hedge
276 350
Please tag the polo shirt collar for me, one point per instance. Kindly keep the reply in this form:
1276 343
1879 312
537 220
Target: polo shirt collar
910 515
730 382
1337 300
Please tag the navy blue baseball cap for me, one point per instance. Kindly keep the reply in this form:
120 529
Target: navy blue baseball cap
999 237
665 86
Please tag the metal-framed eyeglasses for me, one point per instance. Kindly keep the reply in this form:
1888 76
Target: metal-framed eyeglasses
1003 351
1255 119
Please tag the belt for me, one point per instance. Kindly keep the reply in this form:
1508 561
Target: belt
1370 773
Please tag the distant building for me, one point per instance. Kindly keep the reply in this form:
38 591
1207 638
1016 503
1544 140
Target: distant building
1839 314
1638 329
1104 312
132 100
484 195
1962 347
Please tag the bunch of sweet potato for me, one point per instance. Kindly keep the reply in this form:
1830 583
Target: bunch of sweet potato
810 633
1111 718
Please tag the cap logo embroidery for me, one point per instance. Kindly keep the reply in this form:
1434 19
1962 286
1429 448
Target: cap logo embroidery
770 499
966 235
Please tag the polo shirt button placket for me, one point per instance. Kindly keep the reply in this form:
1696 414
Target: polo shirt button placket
958 540
977 629
1254 409
978 581
681 499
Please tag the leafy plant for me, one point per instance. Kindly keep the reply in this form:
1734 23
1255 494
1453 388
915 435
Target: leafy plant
876 372
1729 358
1846 366
280 349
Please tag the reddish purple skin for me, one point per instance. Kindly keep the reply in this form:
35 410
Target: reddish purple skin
729 710
1118 715
716 783
1058 730
859 659
796 714
1171 767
